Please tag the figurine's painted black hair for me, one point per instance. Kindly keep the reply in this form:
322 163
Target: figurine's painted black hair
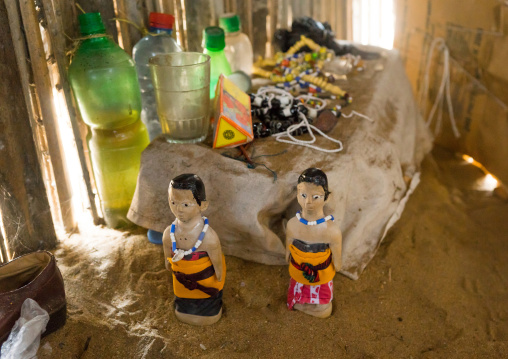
317 177
191 182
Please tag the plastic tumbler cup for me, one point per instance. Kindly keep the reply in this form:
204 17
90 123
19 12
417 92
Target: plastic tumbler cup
182 87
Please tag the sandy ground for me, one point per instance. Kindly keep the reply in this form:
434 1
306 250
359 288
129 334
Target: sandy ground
437 288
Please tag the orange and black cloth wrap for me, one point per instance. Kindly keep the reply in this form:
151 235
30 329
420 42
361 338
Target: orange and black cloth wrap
196 278
197 290
311 268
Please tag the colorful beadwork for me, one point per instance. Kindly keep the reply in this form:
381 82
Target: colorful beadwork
294 72
179 253
274 110
313 223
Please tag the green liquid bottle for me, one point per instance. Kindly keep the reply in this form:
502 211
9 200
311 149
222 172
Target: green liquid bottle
215 43
105 85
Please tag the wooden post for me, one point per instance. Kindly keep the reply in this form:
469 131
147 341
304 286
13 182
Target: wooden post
180 23
271 24
139 16
32 103
197 15
349 19
247 22
259 14
24 206
283 21
123 28
3 250
55 29
151 6
46 101
165 6
340 22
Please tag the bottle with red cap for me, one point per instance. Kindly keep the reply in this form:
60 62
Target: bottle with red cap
157 41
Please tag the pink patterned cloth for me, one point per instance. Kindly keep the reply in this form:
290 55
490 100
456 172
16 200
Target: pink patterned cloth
312 294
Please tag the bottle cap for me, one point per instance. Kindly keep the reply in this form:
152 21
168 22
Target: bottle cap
230 22
214 38
91 23
160 20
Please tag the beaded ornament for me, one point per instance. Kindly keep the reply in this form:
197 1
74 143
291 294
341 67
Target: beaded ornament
180 253
314 223
294 71
281 115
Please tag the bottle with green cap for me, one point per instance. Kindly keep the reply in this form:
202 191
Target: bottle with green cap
214 40
105 85
238 48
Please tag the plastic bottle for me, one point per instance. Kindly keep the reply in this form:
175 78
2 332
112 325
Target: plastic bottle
214 40
158 41
104 81
238 48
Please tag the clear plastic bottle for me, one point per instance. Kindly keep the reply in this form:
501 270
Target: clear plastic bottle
104 82
238 47
214 40
158 41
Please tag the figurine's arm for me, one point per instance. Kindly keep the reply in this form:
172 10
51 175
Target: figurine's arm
214 251
166 246
336 247
289 239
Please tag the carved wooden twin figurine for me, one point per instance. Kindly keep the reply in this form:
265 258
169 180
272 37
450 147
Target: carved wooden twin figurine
192 250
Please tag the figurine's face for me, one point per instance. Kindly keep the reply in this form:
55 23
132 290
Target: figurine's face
183 205
311 197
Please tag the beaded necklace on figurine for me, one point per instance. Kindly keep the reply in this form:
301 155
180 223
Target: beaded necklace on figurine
180 253
313 223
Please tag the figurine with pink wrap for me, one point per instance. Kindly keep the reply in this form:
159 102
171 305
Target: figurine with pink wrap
313 248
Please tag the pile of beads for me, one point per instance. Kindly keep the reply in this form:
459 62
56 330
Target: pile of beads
275 110
294 71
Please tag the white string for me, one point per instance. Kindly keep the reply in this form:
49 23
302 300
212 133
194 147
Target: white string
295 141
357 114
444 88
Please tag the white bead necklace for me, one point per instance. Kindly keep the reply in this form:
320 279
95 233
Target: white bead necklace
180 253
313 223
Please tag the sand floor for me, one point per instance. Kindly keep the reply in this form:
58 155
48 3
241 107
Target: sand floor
437 288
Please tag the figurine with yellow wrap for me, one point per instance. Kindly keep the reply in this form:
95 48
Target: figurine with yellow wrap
192 249
313 248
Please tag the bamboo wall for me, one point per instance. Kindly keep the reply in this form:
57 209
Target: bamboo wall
25 219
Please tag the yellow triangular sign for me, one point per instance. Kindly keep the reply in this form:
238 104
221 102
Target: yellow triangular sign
227 135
